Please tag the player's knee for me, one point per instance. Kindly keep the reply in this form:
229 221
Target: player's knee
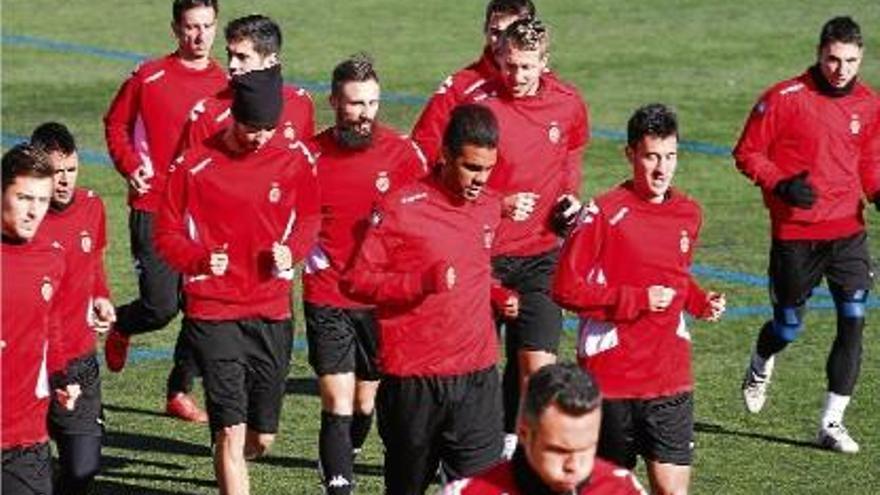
851 305
788 323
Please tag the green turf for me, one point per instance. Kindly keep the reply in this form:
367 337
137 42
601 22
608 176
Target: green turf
709 58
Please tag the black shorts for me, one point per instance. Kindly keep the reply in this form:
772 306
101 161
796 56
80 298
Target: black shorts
244 365
87 417
342 340
27 470
797 267
424 421
539 324
660 430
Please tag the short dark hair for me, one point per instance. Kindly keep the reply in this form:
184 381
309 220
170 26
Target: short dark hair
527 34
470 124
25 160
842 29
53 136
654 119
565 385
262 31
519 8
356 68
181 6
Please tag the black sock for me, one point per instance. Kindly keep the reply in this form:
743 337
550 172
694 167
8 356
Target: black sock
768 342
360 428
334 446
845 358
79 459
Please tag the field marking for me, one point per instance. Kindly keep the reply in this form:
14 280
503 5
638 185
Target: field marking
318 87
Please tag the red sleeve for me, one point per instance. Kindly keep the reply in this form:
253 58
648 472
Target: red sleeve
371 277
697 303
56 354
101 288
579 285
869 162
309 128
578 139
429 128
416 164
197 129
119 125
308 216
751 152
170 232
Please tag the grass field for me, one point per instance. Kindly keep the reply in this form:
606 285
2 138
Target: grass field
709 58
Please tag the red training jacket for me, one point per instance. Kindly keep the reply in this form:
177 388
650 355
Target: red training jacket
351 183
81 229
604 271
210 115
417 232
541 146
144 123
795 128
32 346
605 479
244 203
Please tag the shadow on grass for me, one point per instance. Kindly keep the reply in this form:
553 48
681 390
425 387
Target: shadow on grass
301 386
109 487
112 462
133 410
152 443
312 464
716 429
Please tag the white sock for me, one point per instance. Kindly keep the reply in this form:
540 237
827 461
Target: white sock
835 405
759 364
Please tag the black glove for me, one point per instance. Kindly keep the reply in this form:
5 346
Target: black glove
796 191
565 215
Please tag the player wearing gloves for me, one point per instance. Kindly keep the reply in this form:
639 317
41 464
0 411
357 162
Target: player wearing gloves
807 145
76 220
631 296
239 212
425 264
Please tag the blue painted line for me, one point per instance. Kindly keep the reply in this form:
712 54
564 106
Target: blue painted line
743 278
317 87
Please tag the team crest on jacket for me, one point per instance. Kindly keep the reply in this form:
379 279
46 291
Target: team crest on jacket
685 242
383 182
375 218
488 236
554 133
46 289
85 241
274 193
854 125
289 131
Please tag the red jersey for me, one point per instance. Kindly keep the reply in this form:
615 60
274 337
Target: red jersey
145 120
604 272
415 231
245 203
210 115
31 334
795 128
540 149
81 229
473 83
351 183
516 477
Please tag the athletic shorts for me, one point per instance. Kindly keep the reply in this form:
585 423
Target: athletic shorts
660 430
796 267
423 421
342 340
244 365
539 324
27 470
87 418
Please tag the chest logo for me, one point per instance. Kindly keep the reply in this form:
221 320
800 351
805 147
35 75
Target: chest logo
685 242
488 236
85 241
289 131
376 218
383 182
274 193
855 125
554 133
46 289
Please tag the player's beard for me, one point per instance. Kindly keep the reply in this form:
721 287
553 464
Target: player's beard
350 137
